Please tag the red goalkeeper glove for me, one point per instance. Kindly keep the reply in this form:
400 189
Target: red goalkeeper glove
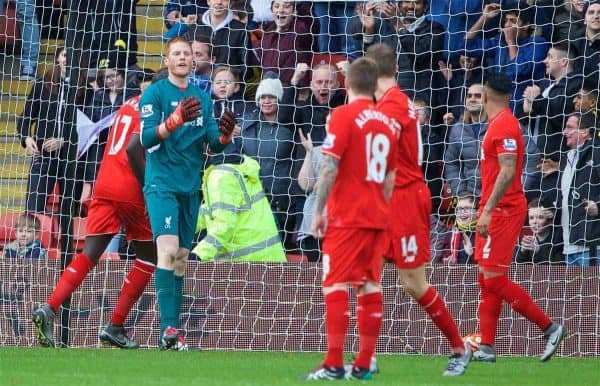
226 127
187 110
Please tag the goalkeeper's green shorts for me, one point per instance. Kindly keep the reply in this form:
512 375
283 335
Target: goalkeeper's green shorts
173 214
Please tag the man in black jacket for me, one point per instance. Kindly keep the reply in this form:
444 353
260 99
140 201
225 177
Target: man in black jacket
579 192
309 116
550 101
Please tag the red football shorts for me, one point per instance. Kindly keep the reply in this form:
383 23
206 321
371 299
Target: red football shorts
107 216
495 252
408 234
352 255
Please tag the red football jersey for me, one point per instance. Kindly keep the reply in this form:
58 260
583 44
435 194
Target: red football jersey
365 141
395 104
503 136
115 180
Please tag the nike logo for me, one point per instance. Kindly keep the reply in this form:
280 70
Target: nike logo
555 340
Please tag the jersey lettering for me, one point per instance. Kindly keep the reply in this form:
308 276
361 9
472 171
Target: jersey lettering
409 248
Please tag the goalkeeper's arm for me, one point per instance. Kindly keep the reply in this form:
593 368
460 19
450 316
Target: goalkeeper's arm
154 132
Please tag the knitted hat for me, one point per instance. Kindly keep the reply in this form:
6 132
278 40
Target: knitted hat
269 87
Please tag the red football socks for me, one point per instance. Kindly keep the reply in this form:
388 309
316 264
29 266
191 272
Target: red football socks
133 287
518 299
70 280
336 320
435 307
490 307
369 315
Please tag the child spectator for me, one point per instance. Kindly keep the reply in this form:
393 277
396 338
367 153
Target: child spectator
226 92
27 242
543 245
462 241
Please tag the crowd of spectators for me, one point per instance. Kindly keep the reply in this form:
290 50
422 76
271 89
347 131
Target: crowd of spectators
278 66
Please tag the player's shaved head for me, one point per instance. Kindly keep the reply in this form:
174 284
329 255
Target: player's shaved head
362 76
385 58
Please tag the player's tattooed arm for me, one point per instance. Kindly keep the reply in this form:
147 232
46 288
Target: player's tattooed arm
508 168
328 170
388 185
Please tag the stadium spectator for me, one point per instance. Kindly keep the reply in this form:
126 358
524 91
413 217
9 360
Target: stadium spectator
226 93
309 245
30 37
579 192
188 16
176 10
112 93
27 242
462 237
457 80
229 37
515 51
204 58
587 49
334 34
309 115
173 174
464 142
45 108
271 143
587 98
236 214
285 42
458 16
568 22
432 140
544 244
550 101
417 41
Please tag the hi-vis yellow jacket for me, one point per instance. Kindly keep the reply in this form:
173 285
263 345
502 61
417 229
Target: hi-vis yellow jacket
237 216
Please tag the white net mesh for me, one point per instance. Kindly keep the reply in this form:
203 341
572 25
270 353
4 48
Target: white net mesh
444 52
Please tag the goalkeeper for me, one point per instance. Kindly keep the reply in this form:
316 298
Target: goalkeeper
177 125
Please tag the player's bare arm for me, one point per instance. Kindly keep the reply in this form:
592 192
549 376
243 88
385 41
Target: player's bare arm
508 166
135 155
328 170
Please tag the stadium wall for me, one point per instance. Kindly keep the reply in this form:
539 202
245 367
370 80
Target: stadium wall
279 307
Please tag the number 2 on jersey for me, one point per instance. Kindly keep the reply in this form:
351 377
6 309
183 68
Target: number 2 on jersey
125 120
378 147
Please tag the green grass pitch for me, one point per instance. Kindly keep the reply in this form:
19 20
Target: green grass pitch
20 367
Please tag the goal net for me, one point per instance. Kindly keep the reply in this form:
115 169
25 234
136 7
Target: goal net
54 126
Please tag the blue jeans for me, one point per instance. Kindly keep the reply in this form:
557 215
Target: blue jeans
581 259
30 33
334 18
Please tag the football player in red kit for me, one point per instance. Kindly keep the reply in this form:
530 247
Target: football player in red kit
117 201
503 207
408 235
355 180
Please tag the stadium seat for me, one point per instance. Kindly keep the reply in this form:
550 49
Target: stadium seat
296 258
53 253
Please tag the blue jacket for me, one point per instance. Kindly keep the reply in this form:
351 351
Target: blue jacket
30 251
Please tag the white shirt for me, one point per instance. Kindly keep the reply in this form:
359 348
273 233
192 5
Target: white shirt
565 189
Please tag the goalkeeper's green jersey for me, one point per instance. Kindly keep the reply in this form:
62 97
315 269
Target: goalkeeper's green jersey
176 163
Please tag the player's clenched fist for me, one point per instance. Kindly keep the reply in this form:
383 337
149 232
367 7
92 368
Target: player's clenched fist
187 110
226 126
